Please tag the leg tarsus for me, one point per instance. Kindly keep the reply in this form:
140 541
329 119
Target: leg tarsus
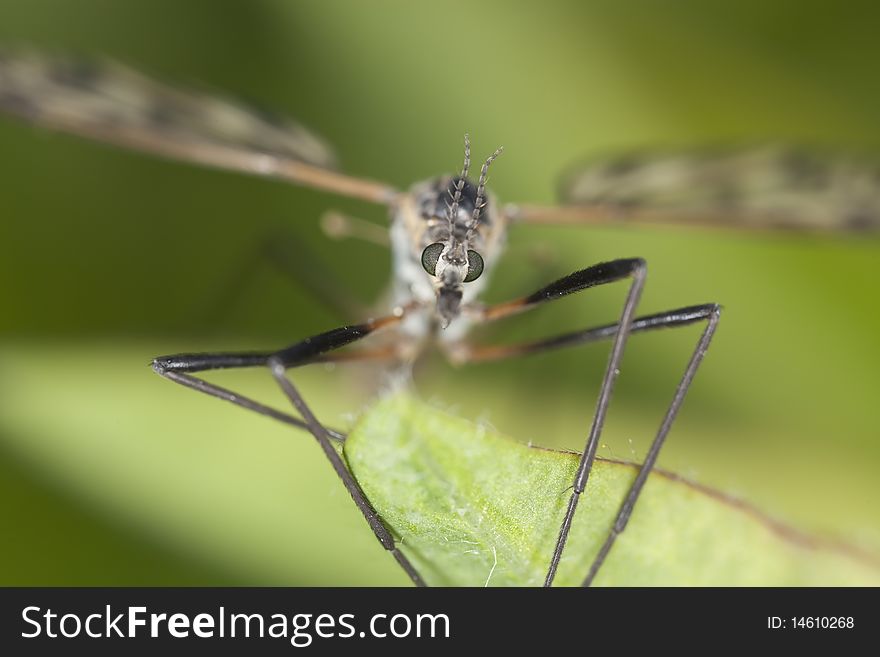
635 268
279 372
635 490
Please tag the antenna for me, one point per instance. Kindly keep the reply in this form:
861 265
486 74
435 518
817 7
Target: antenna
452 208
481 189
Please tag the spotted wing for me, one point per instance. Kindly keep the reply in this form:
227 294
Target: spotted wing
109 102
768 187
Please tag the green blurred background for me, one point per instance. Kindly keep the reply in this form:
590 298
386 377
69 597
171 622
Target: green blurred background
109 475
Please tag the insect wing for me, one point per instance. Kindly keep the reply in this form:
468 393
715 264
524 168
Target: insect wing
760 188
108 102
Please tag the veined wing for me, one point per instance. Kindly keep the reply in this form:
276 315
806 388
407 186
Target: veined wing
769 187
109 102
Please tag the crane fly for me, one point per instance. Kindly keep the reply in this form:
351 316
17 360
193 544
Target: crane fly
445 235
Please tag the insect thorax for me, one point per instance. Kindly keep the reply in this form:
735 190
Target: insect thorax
420 219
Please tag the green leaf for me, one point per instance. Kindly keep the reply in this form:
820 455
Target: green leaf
475 508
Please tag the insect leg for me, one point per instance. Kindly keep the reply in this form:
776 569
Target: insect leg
708 313
607 272
635 490
467 353
180 368
283 252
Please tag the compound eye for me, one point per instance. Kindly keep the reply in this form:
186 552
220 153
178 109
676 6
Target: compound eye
475 266
430 256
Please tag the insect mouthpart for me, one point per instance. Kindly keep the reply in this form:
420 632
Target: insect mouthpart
450 274
448 303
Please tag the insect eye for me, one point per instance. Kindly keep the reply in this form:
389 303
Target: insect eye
475 266
430 256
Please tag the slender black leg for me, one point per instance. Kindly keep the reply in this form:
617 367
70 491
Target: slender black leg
601 274
708 313
179 368
635 490
610 272
634 268
468 353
